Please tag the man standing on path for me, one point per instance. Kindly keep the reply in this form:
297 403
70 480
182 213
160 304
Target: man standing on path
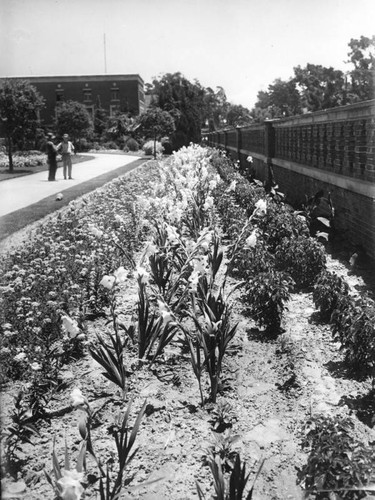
67 149
51 151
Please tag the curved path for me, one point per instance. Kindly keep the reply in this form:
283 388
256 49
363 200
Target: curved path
25 199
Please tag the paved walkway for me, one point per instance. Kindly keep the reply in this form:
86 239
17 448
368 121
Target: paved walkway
20 192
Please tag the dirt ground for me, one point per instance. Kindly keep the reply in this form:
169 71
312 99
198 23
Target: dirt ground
271 385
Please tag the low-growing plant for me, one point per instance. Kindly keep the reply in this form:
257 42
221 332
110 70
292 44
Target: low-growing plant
153 329
222 416
221 445
20 430
110 355
238 480
124 439
265 297
326 292
214 332
303 258
338 464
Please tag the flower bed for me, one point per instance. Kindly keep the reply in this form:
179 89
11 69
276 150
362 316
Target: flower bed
147 252
22 160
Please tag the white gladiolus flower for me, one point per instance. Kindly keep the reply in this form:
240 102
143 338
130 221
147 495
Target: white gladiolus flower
78 399
167 317
232 187
70 326
251 241
172 234
143 275
150 250
209 203
70 485
120 274
204 172
108 281
212 184
261 207
249 159
193 278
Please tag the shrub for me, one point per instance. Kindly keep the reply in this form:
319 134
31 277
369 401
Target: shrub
303 258
110 145
265 296
327 290
132 144
353 324
167 146
148 148
233 217
83 145
336 460
280 222
250 261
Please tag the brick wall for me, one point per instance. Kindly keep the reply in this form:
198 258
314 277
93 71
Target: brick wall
333 150
122 92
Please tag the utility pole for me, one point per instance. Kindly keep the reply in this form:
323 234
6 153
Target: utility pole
105 55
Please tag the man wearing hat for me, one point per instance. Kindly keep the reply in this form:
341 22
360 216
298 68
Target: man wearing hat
51 157
67 149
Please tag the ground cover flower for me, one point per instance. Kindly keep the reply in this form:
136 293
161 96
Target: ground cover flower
70 326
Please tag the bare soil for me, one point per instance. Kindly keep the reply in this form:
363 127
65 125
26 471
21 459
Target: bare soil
272 385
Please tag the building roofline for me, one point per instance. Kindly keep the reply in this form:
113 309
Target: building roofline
69 78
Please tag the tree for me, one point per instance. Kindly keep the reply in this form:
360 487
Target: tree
20 104
156 123
320 87
282 99
362 56
100 119
238 115
121 125
184 101
73 118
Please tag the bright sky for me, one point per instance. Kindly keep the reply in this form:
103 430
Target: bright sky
240 45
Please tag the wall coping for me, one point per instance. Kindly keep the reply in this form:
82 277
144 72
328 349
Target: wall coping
358 186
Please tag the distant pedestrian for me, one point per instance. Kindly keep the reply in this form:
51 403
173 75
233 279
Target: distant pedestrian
67 149
51 151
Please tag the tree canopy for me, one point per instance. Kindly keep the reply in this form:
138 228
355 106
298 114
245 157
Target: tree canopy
315 87
362 57
20 104
73 118
156 123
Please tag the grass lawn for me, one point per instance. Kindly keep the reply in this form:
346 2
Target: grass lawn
19 219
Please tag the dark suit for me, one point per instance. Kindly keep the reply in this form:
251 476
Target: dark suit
52 163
